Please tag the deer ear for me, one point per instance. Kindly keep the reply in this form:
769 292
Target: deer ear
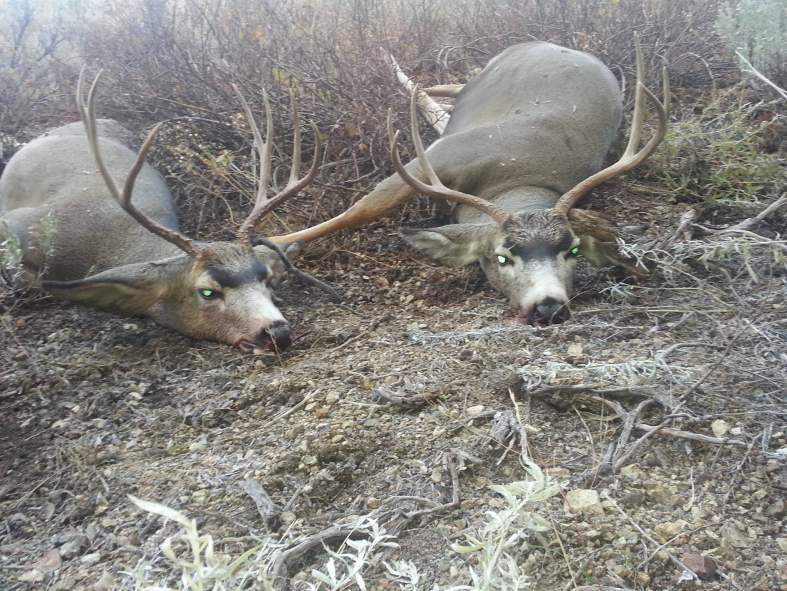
273 260
455 245
598 241
129 289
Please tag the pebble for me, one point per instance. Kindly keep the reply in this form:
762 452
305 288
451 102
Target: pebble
583 501
632 471
474 411
720 427
704 566
667 530
90 559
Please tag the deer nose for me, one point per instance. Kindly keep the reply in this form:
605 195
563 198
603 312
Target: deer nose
550 311
277 335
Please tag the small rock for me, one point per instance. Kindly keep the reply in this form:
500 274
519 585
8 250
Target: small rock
633 498
48 562
720 427
372 503
775 509
74 546
734 536
667 530
309 460
66 583
31 576
474 411
106 583
632 471
583 501
782 544
287 517
574 350
704 566
90 559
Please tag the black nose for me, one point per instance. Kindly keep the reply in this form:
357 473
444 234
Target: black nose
277 335
550 311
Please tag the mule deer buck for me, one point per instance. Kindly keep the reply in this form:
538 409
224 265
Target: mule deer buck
129 257
526 140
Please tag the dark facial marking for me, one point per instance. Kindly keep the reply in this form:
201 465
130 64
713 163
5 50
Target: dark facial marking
255 273
541 249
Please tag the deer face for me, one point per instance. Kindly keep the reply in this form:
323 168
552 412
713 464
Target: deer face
224 294
228 296
531 259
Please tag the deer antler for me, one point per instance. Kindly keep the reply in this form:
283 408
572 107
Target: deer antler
630 158
87 112
264 204
436 189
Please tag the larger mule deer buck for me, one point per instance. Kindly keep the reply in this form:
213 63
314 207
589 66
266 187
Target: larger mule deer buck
526 140
128 256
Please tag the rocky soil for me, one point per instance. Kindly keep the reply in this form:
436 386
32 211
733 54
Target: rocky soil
390 404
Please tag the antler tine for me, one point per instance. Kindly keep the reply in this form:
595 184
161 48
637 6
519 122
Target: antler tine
87 112
436 188
630 158
264 205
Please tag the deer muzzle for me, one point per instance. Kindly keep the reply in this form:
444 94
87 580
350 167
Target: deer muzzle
276 337
549 311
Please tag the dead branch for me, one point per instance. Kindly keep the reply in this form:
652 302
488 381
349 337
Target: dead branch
267 509
385 395
285 558
748 223
682 232
761 76
669 431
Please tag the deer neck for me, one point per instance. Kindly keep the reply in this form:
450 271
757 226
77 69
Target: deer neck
514 200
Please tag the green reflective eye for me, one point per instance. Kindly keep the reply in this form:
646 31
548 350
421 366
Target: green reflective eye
574 252
208 294
503 260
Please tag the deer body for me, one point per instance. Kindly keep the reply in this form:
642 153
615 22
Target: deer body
128 257
55 177
537 120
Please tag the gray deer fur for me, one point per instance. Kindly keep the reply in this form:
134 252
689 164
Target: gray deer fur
97 254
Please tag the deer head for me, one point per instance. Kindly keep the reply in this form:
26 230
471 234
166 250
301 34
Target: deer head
221 291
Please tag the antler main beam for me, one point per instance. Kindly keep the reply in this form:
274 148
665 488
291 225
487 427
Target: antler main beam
263 204
87 112
436 188
631 158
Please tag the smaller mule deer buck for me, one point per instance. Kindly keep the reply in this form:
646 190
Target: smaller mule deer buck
128 256
526 140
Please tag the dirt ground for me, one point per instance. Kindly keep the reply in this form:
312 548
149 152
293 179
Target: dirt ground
96 408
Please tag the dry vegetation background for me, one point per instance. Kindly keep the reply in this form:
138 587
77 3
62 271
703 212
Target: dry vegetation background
698 349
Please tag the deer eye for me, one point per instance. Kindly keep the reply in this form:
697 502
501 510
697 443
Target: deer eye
208 294
574 251
504 260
